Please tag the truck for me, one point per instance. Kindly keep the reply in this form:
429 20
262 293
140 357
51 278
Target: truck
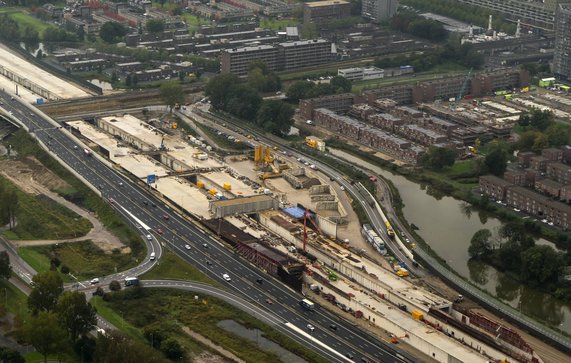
307 304
87 152
131 281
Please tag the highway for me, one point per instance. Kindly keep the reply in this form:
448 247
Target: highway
148 214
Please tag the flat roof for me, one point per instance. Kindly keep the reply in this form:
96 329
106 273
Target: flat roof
251 49
316 4
242 200
303 42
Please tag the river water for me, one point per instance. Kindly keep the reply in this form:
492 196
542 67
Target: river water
447 225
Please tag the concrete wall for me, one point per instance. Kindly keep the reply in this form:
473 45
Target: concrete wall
327 205
320 189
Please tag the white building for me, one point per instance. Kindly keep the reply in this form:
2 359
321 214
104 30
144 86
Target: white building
359 74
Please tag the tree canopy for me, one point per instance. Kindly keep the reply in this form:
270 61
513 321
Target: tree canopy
541 264
155 25
112 32
537 119
171 93
75 314
262 79
437 158
275 117
496 161
5 267
45 334
480 244
48 286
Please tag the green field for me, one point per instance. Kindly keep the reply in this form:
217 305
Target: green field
173 267
85 260
278 24
194 22
28 21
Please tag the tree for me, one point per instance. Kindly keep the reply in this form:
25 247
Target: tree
172 348
516 232
171 93
155 26
299 90
480 244
75 314
45 334
48 286
558 134
496 161
5 267
114 285
112 32
541 265
10 206
340 84
276 117
437 158
537 119
218 89
10 355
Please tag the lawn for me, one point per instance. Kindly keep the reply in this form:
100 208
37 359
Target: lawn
85 260
173 267
28 21
15 300
194 22
278 24
120 320
40 218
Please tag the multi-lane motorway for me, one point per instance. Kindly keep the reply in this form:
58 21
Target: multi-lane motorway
148 214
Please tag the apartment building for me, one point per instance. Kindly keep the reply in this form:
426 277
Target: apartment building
283 56
562 55
340 103
552 154
559 172
323 11
237 60
535 13
421 135
538 163
539 205
548 187
379 10
385 121
494 187
524 158
303 53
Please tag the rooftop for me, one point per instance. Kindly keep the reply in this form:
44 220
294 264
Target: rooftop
316 4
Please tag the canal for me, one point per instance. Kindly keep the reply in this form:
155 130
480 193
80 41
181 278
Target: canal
447 225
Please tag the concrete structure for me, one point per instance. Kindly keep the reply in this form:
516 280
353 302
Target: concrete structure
237 60
379 10
246 205
338 103
323 11
562 55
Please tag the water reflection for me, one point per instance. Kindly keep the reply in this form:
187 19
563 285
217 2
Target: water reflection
479 272
446 225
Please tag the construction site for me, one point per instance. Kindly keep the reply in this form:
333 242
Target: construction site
283 214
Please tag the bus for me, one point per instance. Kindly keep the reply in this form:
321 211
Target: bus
306 304
131 281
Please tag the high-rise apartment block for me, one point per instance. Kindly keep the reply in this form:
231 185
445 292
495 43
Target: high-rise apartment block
322 11
379 10
562 56
280 57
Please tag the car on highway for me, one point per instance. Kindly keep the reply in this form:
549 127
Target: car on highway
205 245
269 301
166 217
226 277
333 327
149 237
260 281
154 205
159 230
187 247
310 327
120 184
94 281
153 255
145 202
208 263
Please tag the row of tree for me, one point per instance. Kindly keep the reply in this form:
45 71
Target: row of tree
453 52
9 205
412 23
306 89
12 31
227 93
515 251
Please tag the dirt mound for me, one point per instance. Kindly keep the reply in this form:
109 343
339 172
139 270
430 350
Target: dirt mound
29 172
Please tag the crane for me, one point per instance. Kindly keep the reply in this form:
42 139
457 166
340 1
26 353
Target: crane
463 89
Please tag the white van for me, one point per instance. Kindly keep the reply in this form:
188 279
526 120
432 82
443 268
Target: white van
149 237
152 256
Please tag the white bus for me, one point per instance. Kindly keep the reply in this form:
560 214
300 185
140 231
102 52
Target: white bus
131 281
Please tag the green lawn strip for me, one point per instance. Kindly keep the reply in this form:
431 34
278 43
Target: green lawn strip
278 24
221 140
35 357
149 306
17 301
26 20
117 316
85 260
173 267
85 197
40 218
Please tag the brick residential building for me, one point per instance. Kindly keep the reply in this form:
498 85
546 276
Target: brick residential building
340 103
559 172
494 187
516 177
524 158
565 193
552 154
539 205
538 163
548 187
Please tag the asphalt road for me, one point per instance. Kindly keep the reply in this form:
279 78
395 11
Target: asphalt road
147 213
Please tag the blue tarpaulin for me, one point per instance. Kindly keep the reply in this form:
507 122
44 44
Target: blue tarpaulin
295 212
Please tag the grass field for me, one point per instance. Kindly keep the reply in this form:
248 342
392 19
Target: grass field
14 299
84 259
28 21
40 218
173 267
278 24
